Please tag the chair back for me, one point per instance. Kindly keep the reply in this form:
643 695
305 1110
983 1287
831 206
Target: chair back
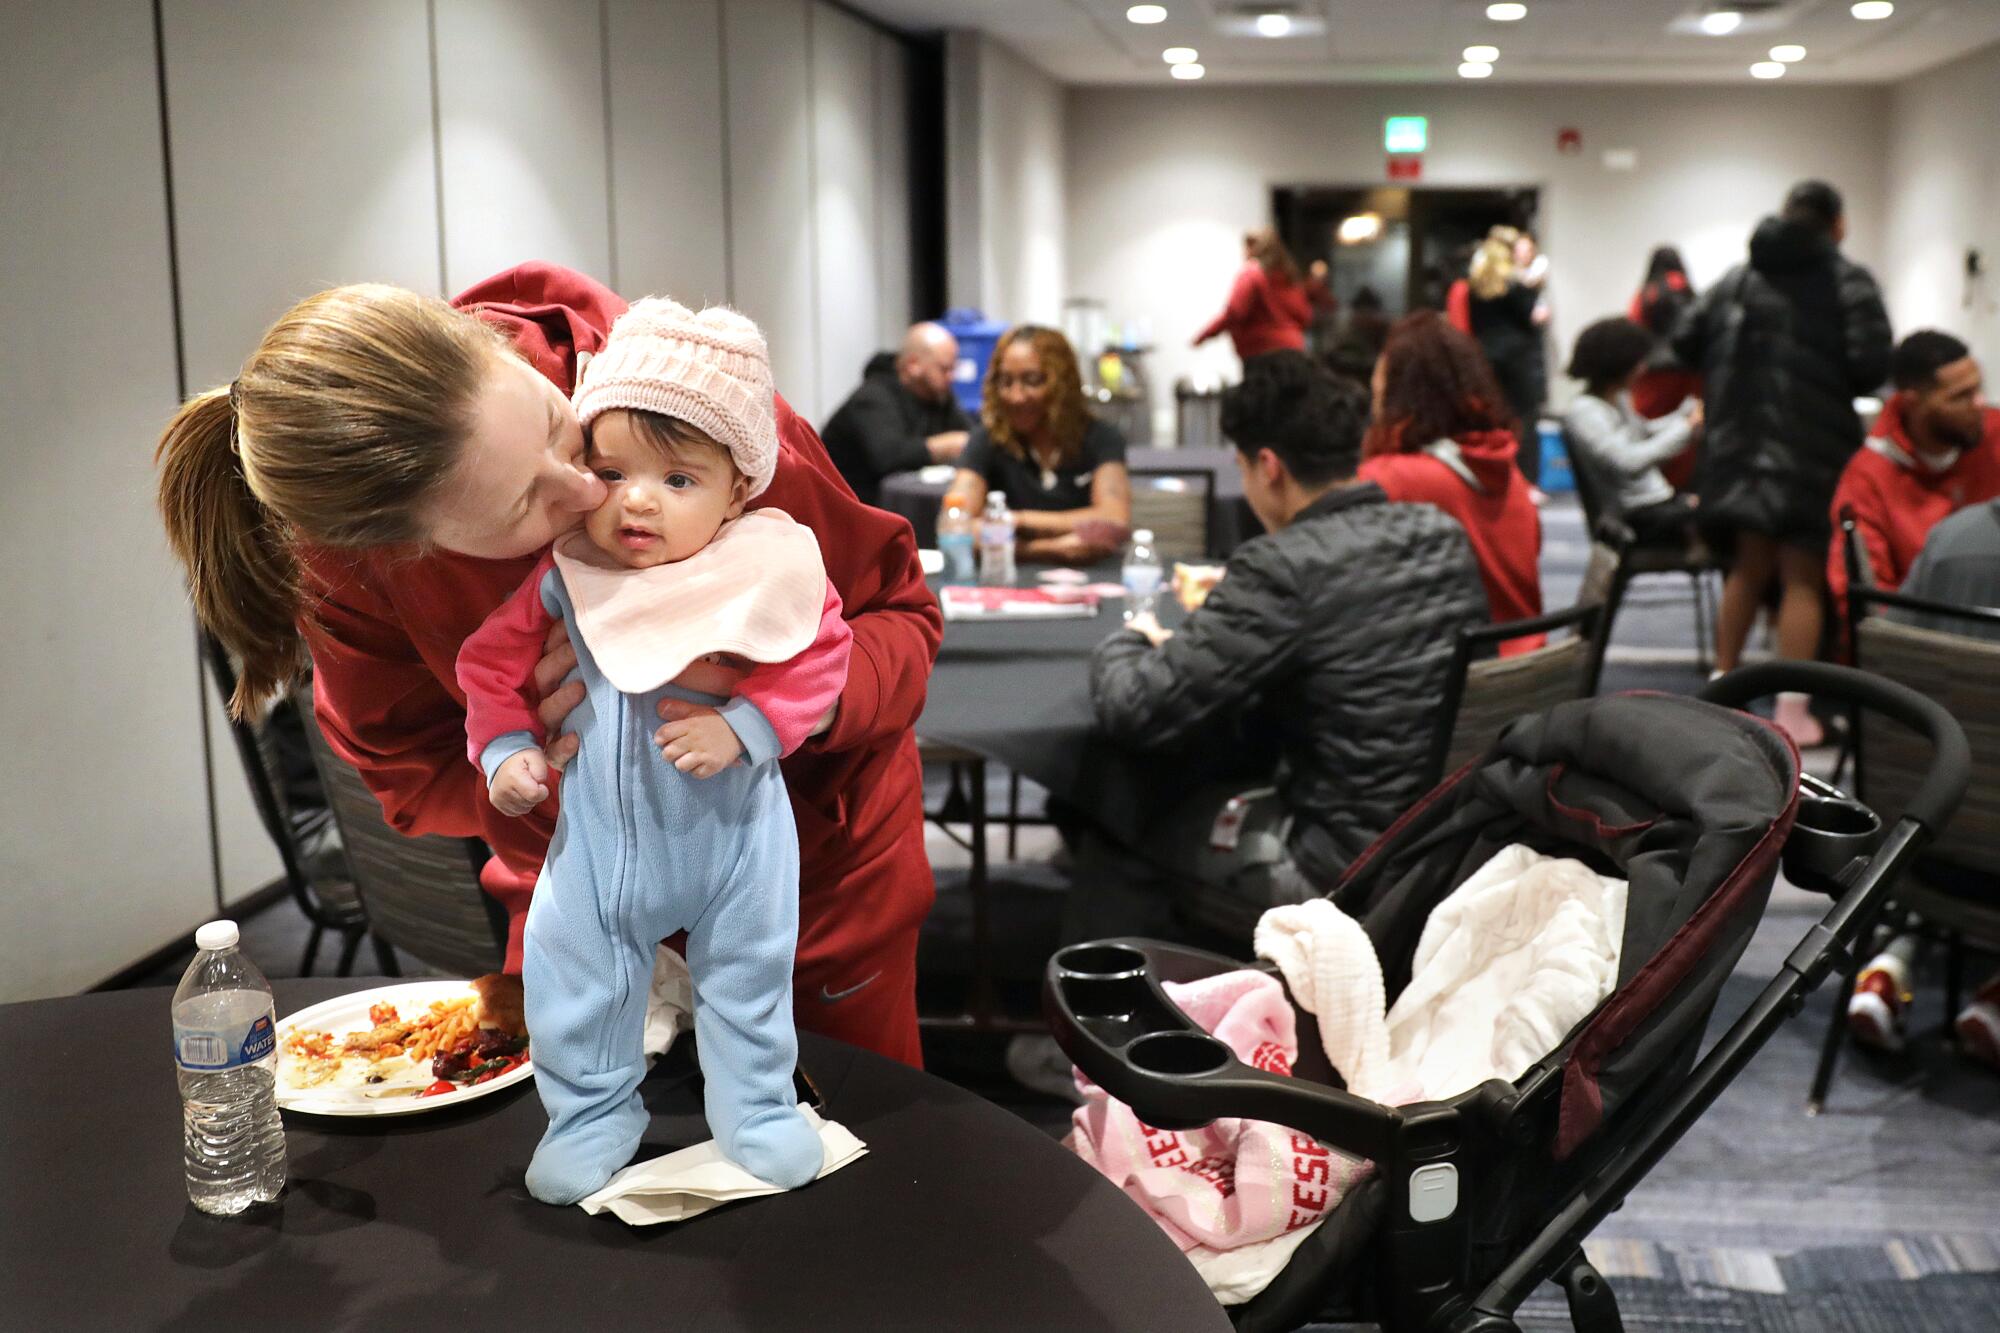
1483 693
1176 505
1957 667
1197 415
422 894
1589 486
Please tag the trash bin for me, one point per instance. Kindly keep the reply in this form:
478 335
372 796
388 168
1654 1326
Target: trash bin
1556 478
976 336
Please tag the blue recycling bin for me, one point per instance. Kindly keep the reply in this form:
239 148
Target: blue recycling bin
977 336
1556 478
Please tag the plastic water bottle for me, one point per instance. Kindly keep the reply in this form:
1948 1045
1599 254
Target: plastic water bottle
1141 576
996 542
956 539
226 1052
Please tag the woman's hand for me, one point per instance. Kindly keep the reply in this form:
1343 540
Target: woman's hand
558 700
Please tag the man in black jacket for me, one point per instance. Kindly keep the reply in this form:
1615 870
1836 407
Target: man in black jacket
902 417
1784 343
1334 632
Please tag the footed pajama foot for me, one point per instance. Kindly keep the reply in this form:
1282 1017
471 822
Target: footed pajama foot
777 1146
576 1162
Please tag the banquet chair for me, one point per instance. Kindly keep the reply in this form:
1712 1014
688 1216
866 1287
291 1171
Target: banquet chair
1197 414
1178 505
1483 693
1599 585
316 873
421 894
1952 656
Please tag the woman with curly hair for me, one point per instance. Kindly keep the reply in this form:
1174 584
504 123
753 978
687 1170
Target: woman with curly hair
1061 469
1443 435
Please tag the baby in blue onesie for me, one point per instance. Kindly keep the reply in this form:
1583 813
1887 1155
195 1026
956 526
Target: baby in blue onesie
670 590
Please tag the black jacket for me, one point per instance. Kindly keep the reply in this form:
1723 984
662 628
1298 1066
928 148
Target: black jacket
1784 343
882 426
1336 633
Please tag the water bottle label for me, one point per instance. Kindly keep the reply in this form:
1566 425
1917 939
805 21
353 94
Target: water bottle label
207 1049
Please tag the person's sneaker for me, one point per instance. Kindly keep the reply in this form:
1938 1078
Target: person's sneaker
1881 998
1978 1025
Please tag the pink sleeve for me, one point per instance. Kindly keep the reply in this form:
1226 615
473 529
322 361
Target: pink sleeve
795 694
496 666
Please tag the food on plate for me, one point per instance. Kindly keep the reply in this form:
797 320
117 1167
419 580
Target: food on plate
452 1044
1193 583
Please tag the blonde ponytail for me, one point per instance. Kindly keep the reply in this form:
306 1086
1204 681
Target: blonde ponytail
339 431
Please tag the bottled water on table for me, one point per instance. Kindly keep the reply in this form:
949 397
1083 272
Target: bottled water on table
1142 575
996 542
226 1052
956 540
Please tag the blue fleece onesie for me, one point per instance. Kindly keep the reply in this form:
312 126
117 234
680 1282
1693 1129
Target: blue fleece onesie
641 850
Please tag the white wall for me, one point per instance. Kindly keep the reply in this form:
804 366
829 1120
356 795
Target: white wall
1161 184
1944 197
1005 166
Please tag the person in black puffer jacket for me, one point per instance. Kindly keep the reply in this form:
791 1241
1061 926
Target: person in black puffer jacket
1335 631
1784 343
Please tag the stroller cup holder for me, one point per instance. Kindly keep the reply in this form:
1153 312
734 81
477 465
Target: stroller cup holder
1832 832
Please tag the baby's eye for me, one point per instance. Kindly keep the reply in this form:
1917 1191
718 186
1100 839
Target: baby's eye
680 481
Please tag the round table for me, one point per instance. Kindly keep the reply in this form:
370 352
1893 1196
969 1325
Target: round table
961 1216
1232 521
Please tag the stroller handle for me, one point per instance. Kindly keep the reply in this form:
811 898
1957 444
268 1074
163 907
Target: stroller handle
1951 767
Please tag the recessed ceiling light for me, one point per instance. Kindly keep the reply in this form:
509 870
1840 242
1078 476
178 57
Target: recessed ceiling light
1474 69
1788 54
1273 25
1767 69
1481 55
1180 55
1188 71
1146 14
1506 13
1868 10
1721 22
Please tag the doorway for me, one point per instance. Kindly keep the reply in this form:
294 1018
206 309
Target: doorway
1403 246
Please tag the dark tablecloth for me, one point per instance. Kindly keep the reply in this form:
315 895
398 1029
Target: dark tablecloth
961 1216
1231 524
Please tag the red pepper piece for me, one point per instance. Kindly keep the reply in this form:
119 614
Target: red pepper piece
438 1088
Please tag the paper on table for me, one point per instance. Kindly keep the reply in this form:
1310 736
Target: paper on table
689 1182
931 560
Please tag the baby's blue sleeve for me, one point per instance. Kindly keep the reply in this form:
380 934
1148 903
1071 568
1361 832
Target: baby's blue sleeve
759 737
504 747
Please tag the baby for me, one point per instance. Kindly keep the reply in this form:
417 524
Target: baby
669 590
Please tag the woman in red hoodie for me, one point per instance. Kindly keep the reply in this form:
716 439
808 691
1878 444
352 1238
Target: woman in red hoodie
1270 303
1442 435
386 470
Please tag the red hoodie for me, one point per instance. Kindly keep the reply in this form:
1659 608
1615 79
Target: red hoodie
1473 478
390 625
1897 499
1265 313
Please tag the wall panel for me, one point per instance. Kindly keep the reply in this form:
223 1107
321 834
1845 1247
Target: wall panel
845 202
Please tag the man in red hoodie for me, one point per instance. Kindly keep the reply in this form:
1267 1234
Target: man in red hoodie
1935 449
389 625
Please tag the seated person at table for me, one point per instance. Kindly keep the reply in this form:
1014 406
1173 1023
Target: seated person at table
1443 435
1934 450
1622 449
902 417
1334 632
1061 469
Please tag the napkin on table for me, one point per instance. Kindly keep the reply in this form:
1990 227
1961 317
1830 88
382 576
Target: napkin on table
689 1182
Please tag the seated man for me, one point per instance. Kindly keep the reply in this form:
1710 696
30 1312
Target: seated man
1960 564
902 417
1934 450
1334 633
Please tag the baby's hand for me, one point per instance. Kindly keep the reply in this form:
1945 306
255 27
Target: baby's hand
700 745
521 783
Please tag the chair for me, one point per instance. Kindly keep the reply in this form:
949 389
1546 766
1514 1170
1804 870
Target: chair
1599 585
1951 890
1178 506
1197 414
1484 693
315 871
1691 558
1132 414
421 894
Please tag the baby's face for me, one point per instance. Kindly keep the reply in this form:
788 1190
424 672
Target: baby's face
658 508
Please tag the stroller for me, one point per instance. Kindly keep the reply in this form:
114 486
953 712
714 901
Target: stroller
1476 1200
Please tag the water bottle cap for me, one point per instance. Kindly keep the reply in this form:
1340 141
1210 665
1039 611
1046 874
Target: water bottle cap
216 935
1143 535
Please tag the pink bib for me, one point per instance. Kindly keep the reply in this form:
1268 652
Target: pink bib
756 590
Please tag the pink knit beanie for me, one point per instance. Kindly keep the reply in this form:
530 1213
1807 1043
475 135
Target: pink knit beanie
710 369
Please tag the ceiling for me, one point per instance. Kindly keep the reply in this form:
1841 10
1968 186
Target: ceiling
1417 41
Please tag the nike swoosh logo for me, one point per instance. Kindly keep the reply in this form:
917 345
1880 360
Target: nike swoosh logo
829 996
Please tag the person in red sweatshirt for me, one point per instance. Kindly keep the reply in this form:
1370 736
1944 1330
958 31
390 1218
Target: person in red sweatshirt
382 475
1442 436
1270 304
1934 450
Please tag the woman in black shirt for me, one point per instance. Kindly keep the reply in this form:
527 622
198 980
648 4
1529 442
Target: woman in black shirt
1061 469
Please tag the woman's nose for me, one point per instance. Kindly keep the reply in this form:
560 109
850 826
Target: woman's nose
583 488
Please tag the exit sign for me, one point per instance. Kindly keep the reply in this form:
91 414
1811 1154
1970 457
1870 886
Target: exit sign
1406 134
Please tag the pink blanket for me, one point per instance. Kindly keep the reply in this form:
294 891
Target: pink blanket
1234 1183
